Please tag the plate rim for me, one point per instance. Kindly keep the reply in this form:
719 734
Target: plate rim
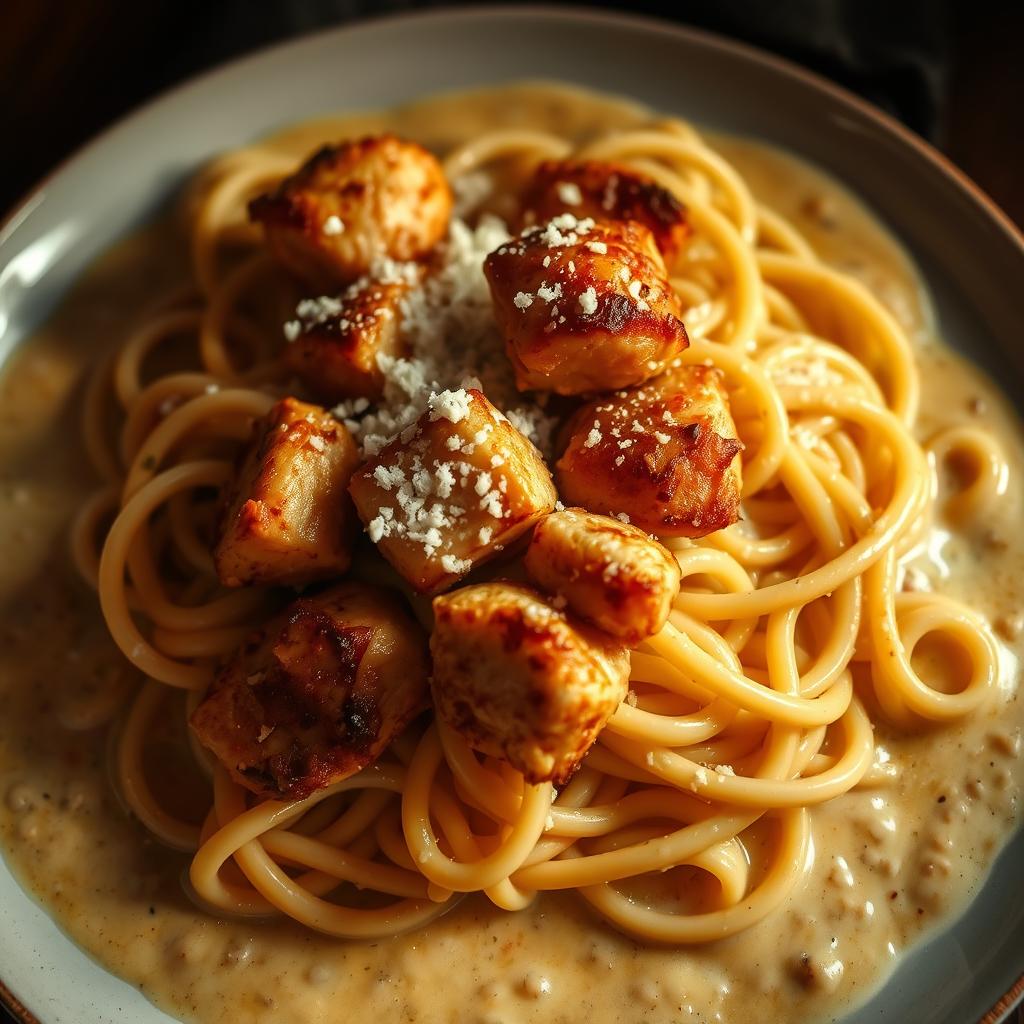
22 207
15 1007
478 10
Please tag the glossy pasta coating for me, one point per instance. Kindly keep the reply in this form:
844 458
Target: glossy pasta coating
610 573
523 681
666 455
337 342
584 306
317 693
286 517
353 203
606 191
452 491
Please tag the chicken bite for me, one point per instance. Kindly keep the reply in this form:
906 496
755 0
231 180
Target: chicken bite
451 491
610 573
665 455
286 517
352 204
523 681
333 343
317 693
584 306
606 191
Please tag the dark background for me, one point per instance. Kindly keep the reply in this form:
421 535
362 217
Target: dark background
952 70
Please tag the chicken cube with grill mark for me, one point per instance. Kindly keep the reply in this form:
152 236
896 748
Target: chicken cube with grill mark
452 490
353 204
607 191
521 680
665 455
334 343
317 693
287 517
612 574
584 306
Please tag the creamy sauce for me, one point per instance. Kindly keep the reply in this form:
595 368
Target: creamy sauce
889 863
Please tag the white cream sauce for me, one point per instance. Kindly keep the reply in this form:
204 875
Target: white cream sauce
889 863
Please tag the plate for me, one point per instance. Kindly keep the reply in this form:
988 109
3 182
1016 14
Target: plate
971 257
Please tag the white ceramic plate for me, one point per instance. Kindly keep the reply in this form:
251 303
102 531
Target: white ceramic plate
971 257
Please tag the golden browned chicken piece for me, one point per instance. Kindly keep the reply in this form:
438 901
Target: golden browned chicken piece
521 680
665 456
353 203
606 191
287 517
317 693
611 574
584 306
453 490
333 343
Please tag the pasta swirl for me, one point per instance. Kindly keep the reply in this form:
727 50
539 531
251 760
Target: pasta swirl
755 702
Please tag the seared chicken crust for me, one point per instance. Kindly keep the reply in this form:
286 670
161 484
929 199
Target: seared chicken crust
337 341
522 681
584 306
286 516
454 490
351 204
606 191
611 574
664 455
317 693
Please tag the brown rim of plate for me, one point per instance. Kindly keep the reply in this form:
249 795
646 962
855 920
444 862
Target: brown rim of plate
1002 1009
14 1006
709 40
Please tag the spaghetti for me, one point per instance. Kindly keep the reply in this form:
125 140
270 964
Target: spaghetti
792 632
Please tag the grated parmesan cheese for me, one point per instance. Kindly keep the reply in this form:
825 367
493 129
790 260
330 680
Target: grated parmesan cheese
569 193
560 231
448 325
491 503
471 190
453 564
634 289
450 405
